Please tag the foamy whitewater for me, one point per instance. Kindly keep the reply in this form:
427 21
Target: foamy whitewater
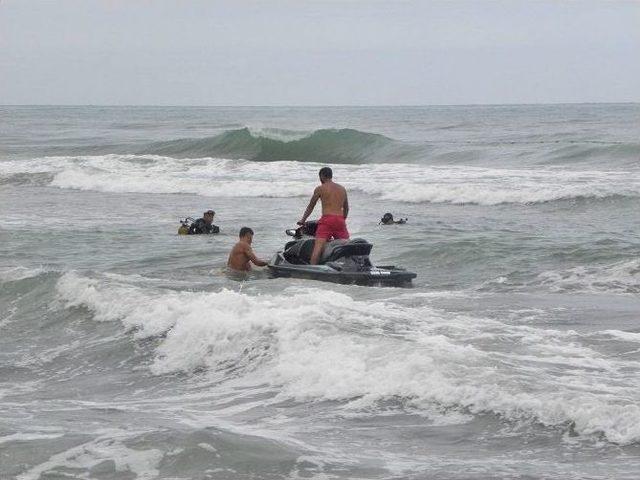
127 354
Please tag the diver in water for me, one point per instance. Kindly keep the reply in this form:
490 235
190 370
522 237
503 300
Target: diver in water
204 225
387 219
241 255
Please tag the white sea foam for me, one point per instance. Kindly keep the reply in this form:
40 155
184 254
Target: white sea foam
622 335
14 274
413 183
208 177
312 344
122 302
27 437
283 135
142 463
491 186
620 277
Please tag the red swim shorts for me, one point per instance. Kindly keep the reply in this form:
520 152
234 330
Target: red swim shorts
332 226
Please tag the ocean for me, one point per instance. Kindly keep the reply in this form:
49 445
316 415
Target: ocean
126 353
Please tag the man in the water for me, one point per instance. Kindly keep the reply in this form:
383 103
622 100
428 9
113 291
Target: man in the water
242 255
335 208
387 219
204 224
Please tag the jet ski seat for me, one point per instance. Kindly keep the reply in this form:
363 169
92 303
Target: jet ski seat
341 248
299 252
330 249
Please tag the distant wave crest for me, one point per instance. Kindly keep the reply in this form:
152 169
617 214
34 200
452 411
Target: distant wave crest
327 145
454 145
402 182
347 145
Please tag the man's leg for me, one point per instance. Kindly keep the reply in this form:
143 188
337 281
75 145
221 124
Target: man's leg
318 246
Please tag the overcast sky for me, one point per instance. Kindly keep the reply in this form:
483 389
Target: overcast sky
190 52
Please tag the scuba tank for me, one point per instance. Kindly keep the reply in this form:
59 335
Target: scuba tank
183 229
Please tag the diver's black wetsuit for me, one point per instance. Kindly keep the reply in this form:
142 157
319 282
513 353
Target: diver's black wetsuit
387 219
200 226
394 222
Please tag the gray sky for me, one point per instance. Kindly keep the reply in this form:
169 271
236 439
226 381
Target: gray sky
189 52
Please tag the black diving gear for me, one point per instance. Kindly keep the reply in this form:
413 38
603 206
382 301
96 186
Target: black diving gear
200 226
185 223
387 219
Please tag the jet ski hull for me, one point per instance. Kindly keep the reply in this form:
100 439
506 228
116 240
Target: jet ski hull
371 276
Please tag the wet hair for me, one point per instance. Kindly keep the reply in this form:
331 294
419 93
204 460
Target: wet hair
387 217
209 212
326 172
244 231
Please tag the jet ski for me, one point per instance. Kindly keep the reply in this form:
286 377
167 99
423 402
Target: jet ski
342 261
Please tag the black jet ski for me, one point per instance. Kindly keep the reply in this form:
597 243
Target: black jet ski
342 261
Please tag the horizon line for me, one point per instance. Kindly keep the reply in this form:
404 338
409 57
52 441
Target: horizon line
313 105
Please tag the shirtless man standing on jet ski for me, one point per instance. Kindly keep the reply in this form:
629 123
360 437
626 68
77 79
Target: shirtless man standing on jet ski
335 208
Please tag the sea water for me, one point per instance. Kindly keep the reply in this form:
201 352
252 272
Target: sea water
125 352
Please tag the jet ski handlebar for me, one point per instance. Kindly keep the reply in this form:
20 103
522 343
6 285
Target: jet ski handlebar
307 229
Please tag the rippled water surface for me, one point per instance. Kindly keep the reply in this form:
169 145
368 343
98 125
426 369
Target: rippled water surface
126 353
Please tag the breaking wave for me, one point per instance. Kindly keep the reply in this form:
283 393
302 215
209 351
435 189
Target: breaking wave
403 182
620 277
330 145
313 344
459 144
345 145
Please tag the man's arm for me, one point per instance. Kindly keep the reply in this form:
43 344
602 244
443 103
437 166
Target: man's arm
345 205
255 260
311 206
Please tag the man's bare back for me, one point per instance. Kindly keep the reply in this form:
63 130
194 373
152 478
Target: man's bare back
241 255
333 197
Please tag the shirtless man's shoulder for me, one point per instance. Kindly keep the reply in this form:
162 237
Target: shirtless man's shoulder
240 247
331 190
330 186
238 258
241 255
